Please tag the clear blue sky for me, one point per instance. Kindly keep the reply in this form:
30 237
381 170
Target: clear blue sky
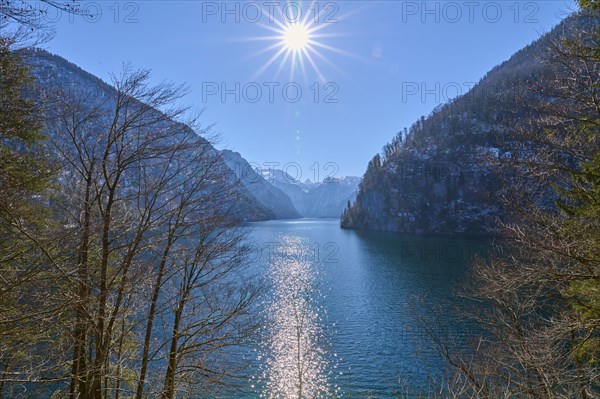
378 57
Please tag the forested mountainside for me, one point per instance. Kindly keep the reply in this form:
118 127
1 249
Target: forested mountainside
326 199
54 75
439 176
264 192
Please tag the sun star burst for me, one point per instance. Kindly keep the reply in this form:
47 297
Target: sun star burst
296 45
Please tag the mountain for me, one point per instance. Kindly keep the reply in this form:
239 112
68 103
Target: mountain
324 199
438 177
269 196
57 75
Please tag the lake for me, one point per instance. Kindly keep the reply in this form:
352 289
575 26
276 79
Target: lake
345 309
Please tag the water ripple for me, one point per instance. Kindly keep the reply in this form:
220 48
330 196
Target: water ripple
296 360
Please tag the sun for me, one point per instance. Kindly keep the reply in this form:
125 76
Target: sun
296 37
297 44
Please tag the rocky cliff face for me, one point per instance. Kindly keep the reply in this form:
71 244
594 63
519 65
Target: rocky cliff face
438 177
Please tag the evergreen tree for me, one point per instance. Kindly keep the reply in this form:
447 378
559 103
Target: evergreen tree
25 306
22 170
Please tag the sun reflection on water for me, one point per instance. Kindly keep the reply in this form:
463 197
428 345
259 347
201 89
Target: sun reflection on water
295 363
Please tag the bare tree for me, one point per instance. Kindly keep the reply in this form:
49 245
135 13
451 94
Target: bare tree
149 216
32 14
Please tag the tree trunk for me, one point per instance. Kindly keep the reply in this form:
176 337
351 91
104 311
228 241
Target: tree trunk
169 385
78 386
151 315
